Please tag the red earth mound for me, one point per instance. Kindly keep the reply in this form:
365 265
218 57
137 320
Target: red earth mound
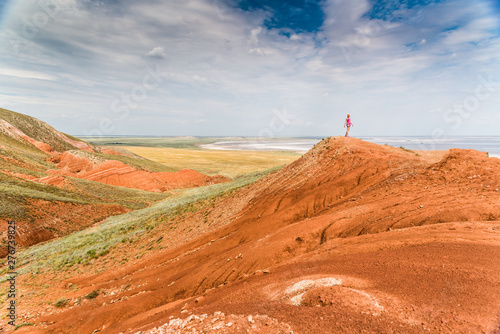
14 132
110 151
353 237
117 173
57 218
76 143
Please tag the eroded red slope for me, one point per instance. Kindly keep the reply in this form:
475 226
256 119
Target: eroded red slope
117 173
351 237
83 164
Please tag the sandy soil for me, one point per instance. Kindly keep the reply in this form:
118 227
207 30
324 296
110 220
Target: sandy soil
353 237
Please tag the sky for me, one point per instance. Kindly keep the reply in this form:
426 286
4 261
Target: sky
253 67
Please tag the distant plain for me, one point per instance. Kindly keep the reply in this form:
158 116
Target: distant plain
185 152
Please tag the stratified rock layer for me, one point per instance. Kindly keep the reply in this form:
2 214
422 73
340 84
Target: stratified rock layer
353 237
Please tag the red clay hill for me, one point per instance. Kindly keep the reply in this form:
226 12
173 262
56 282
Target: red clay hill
40 168
353 237
82 165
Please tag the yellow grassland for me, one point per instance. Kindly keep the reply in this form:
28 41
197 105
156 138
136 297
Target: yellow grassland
212 162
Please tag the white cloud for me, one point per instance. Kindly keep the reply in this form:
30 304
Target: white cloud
224 64
157 52
26 74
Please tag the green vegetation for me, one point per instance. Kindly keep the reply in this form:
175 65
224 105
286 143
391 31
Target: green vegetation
23 324
172 142
410 151
92 295
405 149
61 302
14 194
36 129
21 157
84 246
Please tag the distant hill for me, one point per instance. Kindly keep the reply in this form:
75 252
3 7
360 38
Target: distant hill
53 184
30 130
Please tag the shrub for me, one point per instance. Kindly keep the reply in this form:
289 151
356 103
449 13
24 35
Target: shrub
92 294
61 302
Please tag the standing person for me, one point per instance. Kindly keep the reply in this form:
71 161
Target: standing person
348 124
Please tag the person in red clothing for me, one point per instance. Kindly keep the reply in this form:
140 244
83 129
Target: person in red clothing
348 124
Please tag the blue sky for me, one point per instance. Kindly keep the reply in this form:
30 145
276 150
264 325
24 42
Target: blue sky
253 67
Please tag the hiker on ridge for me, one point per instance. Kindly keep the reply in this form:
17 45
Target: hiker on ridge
348 124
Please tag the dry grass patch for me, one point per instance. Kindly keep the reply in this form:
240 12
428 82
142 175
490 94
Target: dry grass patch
212 162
